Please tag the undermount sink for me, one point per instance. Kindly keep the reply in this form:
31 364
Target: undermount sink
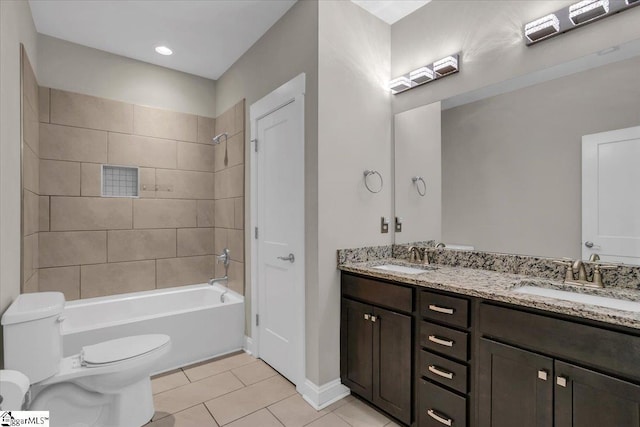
615 303
403 269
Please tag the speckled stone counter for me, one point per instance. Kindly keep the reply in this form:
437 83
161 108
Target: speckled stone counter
496 286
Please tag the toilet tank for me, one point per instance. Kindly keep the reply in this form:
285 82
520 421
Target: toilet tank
32 338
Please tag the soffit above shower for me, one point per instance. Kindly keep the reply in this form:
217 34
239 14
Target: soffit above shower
391 11
206 37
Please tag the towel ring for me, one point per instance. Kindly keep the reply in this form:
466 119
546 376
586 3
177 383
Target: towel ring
367 174
416 180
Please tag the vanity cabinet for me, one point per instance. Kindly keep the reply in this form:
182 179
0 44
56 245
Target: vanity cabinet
376 343
432 358
524 380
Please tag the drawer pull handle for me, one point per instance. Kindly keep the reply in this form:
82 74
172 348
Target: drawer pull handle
443 310
439 418
440 372
440 341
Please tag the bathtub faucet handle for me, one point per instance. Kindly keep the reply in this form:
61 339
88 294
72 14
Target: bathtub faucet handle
225 257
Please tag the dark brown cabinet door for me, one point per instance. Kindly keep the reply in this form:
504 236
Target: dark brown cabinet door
516 387
588 399
392 363
356 343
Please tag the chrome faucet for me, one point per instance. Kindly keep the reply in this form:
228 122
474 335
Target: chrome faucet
225 257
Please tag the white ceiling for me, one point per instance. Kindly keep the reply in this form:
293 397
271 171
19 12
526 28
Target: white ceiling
391 11
206 37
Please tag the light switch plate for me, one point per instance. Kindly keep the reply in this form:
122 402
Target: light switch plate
384 225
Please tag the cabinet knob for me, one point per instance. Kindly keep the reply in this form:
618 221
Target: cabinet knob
561 381
374 318
367 316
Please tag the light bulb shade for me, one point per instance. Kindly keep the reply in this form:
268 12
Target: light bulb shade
399 84
446 65
587 10
421 75
541 28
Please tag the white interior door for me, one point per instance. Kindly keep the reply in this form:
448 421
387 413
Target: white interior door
279 180
611 195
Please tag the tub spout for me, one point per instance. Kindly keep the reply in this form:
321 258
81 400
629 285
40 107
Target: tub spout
224 280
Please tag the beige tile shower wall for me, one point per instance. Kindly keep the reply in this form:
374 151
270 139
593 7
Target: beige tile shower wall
229 193
30 178
92 246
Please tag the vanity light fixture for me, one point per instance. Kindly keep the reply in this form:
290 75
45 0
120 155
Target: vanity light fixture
421 75
400 84
425 74
163 50
572 17
446 65
587 10
541 28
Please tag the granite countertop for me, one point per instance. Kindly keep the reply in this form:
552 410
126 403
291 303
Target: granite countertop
496 286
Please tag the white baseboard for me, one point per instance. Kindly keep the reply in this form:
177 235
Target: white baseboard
248 345
322 396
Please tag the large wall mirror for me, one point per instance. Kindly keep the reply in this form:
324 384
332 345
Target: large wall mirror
506 174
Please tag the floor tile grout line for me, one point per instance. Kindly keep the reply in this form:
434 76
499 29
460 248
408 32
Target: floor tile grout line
181 410
274 415
253 412
210 413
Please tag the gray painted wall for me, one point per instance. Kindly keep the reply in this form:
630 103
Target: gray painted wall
289 48
76 68
511 170
489 34
16 26
354 134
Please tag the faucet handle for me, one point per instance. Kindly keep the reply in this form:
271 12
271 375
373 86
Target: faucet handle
597 272
425 255
568 264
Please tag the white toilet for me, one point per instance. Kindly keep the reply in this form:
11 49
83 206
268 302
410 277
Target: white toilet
106 385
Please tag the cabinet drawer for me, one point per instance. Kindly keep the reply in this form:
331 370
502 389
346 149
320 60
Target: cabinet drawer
444 371
438 407
378 293
442 308
444 340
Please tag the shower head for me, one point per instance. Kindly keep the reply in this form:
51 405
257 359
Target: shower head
217 138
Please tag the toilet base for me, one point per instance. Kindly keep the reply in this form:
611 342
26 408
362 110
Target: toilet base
73 406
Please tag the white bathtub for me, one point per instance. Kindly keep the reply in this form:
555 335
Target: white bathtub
200 326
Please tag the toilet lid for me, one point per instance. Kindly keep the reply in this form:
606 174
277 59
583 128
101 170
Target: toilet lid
122 349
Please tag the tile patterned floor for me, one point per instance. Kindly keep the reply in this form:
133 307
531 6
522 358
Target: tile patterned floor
242 391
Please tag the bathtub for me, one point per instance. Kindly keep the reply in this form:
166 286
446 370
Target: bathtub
200 326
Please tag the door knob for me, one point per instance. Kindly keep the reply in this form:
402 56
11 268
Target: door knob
289 258
588 244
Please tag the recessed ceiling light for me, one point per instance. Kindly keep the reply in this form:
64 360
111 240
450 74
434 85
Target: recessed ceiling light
163 50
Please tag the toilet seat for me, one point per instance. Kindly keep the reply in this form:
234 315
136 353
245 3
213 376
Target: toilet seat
73 369
116 351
